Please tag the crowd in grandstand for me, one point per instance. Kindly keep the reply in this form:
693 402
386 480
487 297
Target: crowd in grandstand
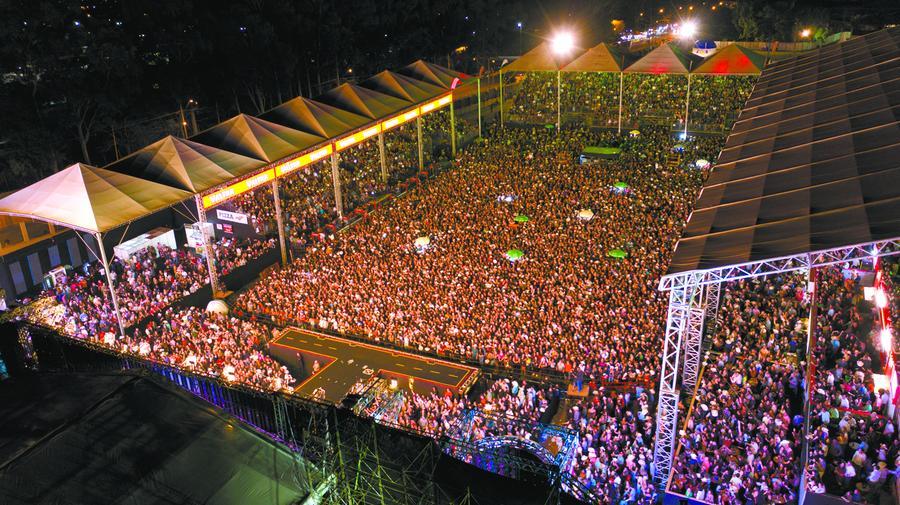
593 97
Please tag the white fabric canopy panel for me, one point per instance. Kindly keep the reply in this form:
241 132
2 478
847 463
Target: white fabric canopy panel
90 199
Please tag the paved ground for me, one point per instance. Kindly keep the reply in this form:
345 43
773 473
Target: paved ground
344 362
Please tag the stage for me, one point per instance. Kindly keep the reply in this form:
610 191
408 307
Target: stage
343 362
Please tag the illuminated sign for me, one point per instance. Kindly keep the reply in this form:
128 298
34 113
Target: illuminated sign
437 104
399 120
357 137
238 188
302 161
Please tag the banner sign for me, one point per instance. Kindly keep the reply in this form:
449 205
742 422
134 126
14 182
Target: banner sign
234 217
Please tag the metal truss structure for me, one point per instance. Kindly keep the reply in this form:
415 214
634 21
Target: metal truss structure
802 261
694 298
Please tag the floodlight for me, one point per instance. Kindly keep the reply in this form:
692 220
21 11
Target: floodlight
805 33
886 340
562 43
687 30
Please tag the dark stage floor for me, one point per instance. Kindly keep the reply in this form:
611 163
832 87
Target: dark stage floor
345 362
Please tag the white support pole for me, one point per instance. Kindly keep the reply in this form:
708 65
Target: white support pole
558 101
419 140
336 181
479 107
687 106
621 92
279 219
381 158
208 247
452 128
109 281
501 98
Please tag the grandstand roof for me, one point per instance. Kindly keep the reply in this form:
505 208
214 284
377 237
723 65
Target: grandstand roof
90 199
256 138
732 60
403 87
314 117
431 73
185 164
812 164
665 59
600 58
539 59
363 101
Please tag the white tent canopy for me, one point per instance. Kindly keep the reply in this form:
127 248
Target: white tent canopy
90 199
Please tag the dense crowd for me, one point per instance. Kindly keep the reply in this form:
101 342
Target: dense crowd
853 447
593 98
565 305
741 442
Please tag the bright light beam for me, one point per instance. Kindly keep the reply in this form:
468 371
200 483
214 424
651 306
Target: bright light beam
562 43
687 30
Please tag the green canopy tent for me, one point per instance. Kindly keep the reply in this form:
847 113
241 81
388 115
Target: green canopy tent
514 254
617 254
521 218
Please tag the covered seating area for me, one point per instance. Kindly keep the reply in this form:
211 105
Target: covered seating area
177 181
608 82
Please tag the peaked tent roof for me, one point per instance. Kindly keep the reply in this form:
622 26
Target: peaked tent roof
732 60
665 59
811 164
185 164
90 199
314 117
403 87
433 74
539 59
600 58
256 138
363 101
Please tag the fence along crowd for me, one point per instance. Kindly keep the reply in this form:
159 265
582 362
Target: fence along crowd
565 306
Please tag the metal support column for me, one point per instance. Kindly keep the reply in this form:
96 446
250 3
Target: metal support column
279 219
713 295
336 180
501 98
419 140
693 338
208 247
381 158
479 106
558 101
109 281
687 106
452 129
621 92
667 409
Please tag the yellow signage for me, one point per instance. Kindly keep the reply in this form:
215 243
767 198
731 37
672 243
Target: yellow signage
437 104
399 120
237 188
357 137
302 161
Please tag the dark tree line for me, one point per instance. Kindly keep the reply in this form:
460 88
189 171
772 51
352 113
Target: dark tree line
93 80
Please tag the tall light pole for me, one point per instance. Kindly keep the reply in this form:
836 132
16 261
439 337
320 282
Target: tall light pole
519 27
562 44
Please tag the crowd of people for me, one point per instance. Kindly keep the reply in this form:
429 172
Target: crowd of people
566 305
742 440
853 448
593 98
